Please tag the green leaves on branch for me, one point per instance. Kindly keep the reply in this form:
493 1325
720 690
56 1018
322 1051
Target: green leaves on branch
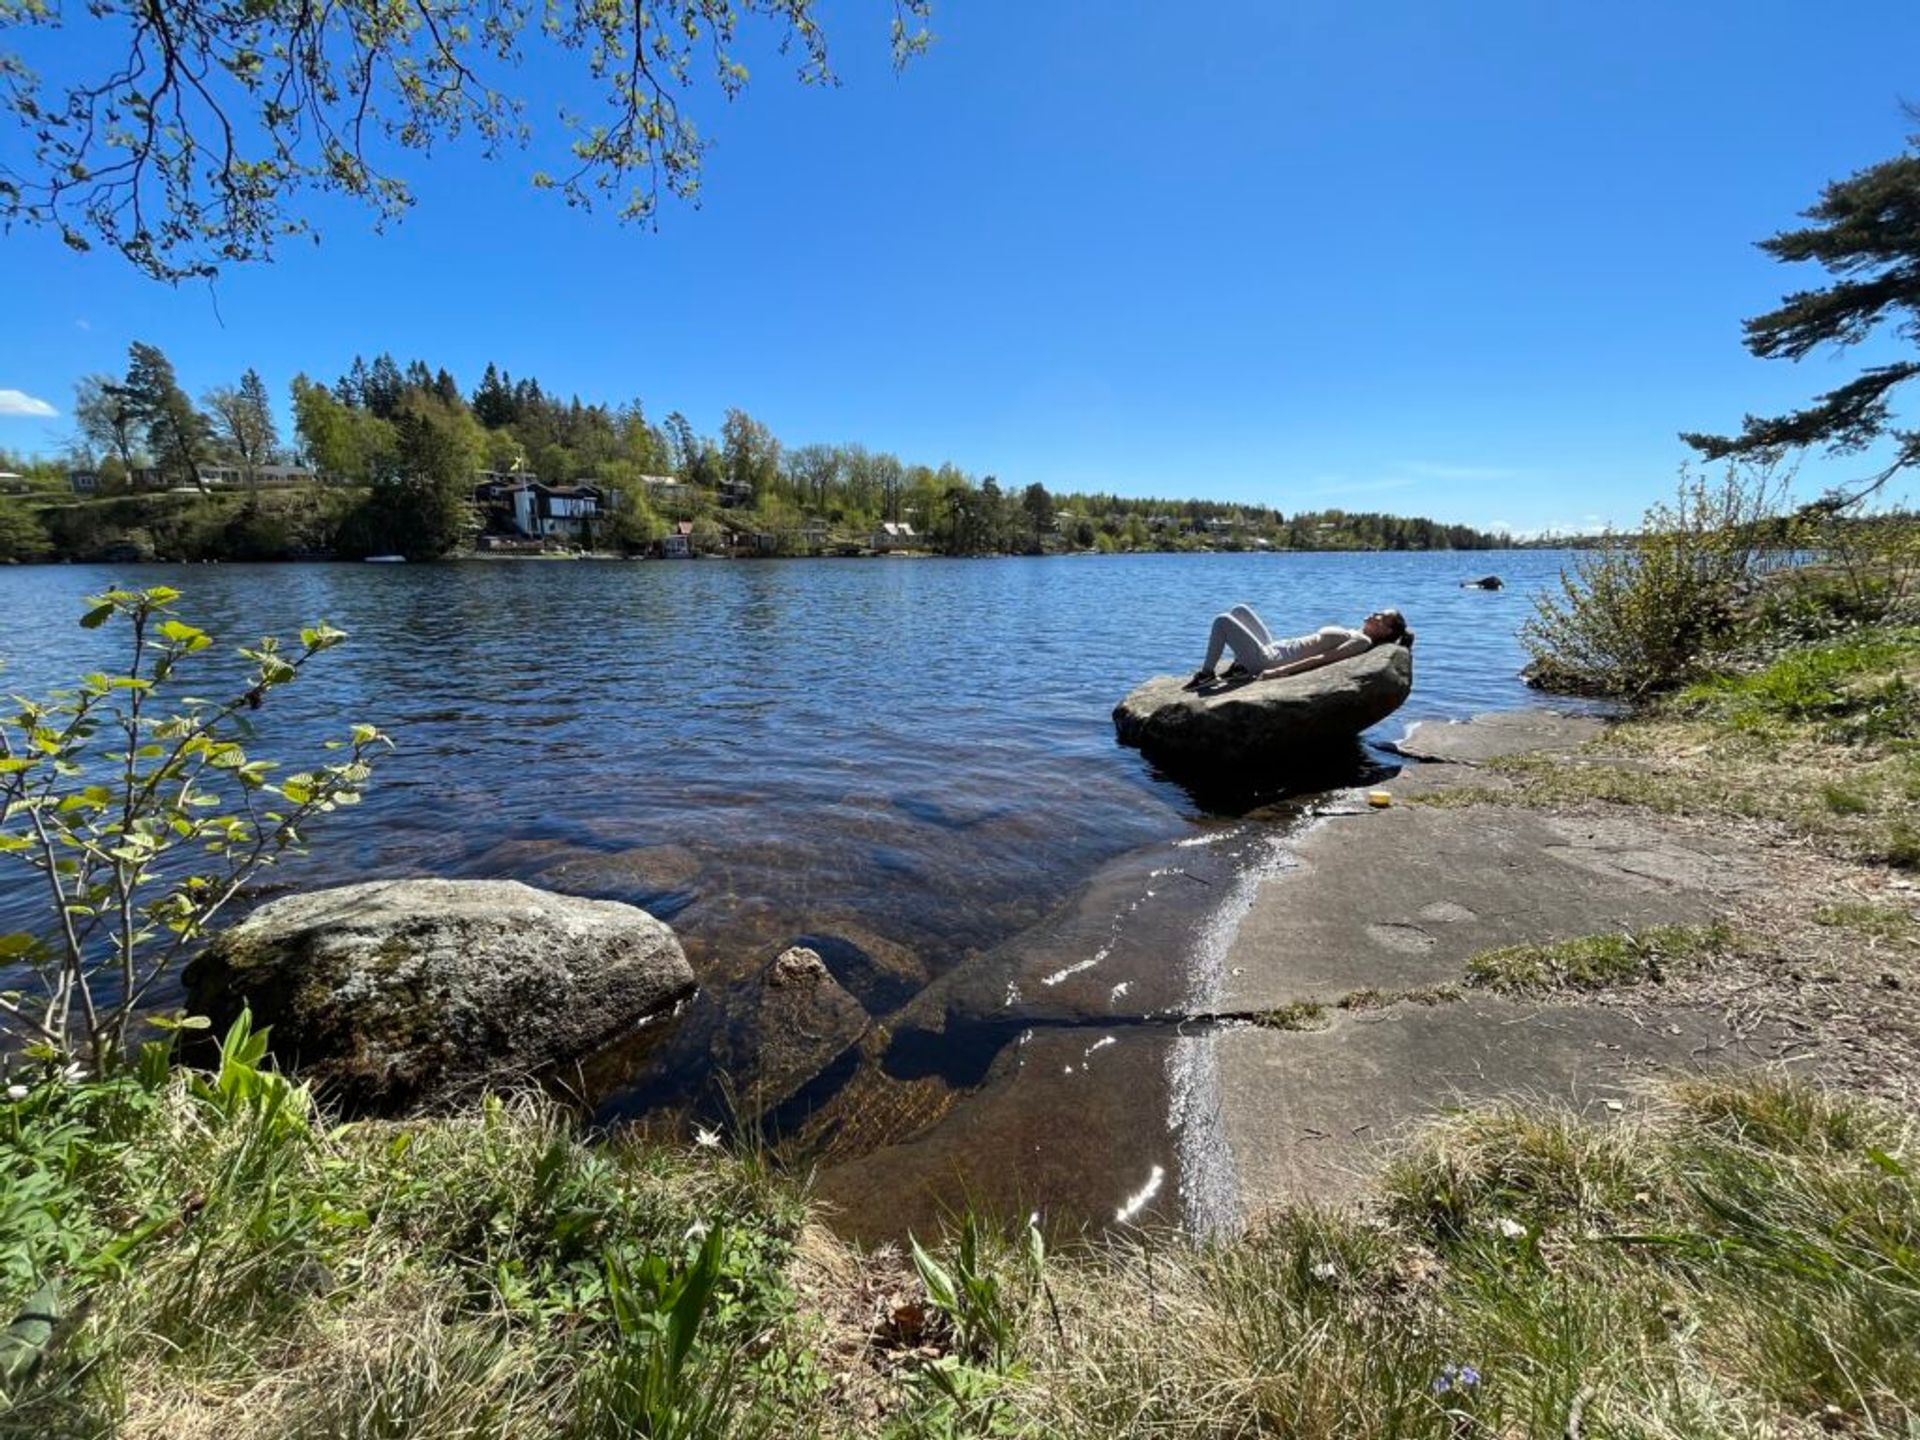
1647 612
196 134
143 816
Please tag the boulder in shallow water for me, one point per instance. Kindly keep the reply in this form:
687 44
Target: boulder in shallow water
792 1023
393 992
1264 726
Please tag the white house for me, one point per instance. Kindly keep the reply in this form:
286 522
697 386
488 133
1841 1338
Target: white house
267 477
894 535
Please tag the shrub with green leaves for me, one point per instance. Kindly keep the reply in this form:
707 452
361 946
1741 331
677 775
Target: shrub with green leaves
138 812
1643 613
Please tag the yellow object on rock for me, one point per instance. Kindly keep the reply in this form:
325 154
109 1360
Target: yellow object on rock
1379 799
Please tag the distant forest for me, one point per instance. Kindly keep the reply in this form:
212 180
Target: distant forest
386 458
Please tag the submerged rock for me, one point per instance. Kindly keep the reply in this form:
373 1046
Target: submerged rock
392 992
791 1024
1264 726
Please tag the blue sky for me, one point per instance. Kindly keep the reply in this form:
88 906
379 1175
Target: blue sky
1479 261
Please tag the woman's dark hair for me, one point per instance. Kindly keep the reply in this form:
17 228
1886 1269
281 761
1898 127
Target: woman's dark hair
1400 635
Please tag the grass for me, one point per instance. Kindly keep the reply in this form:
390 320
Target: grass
1821 743
1868 918
245 1269
1855 690
1740 1258
1297 1015
1595 962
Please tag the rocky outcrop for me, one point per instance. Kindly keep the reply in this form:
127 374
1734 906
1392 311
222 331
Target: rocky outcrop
1264 726
391 993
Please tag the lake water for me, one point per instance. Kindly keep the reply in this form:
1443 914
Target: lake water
910 761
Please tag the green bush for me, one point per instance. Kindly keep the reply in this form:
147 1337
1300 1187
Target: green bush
1643 613
135 810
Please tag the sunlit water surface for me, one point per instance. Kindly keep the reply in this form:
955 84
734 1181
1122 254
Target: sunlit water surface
910 761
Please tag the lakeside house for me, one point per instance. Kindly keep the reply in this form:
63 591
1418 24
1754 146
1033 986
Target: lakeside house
677 543
894 535
210 477
264 477
744 538
665 491
14 483
518 505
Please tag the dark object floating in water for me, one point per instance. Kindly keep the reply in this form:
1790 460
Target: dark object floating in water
1485 582
1264 727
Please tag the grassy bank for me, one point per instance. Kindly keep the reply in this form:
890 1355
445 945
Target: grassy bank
1742 1259
1819 743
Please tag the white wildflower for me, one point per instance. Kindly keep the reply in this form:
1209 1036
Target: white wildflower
1325 1270
74 1073
16 1092
706 1139
1509 1229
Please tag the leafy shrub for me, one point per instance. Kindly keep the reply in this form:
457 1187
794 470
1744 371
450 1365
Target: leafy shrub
140 816
1646 612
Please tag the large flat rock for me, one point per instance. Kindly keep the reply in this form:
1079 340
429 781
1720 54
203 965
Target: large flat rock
1493 736
1313 1115
1263 726
1402 898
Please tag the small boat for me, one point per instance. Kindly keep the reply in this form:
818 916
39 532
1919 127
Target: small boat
386 559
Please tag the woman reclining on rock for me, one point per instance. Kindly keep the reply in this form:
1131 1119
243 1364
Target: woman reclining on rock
1258 656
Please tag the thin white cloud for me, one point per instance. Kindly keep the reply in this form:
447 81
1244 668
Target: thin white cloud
18 402
1430 470
1337 487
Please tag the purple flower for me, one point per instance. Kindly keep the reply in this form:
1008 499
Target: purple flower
1455 1377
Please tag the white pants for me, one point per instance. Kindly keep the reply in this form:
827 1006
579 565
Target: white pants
1243 632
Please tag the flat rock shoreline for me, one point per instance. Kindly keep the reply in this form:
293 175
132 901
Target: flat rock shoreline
1371 931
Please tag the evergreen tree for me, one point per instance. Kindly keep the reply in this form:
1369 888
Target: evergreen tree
351 388
176 433
383 387
1038 505
492 401
1866 231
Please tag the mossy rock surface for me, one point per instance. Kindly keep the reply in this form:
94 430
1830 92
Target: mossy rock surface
395 993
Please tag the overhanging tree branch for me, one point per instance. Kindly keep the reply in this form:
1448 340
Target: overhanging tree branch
1866 232
219 123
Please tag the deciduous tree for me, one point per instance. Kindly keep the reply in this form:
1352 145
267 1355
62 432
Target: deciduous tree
193 134
106 419
243 422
